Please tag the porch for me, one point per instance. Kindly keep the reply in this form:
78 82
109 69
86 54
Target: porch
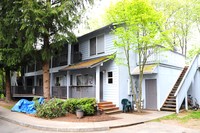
37 91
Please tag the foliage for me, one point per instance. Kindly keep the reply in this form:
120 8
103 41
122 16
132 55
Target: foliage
70 105
2 96
51 109
37 104
88 105
139 29
181 18
88 109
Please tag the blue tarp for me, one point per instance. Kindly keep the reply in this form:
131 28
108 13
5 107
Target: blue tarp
26 106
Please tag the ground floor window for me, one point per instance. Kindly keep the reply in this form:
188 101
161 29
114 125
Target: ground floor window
110 77
84 79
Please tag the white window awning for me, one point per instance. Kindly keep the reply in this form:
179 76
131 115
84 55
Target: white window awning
148 69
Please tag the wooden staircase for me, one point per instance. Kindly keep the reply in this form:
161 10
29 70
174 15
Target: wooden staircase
108 108
170 102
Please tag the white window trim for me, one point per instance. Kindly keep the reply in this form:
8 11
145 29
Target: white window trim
96 45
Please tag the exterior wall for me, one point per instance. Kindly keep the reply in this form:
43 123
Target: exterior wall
84 47
124 78
194 90
111 91
166 79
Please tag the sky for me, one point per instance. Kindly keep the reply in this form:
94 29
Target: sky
95 16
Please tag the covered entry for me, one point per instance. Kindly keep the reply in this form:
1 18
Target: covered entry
151 94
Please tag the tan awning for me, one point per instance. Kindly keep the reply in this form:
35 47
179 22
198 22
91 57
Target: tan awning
87 64
148 69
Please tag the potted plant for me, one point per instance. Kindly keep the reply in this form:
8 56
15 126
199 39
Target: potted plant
79 112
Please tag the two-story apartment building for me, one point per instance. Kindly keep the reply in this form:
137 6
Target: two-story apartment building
85 70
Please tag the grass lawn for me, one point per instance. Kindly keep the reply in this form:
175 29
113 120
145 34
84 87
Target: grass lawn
182 117
188 119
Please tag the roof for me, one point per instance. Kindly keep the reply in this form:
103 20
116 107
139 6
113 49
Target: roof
87 64
96 32
148 69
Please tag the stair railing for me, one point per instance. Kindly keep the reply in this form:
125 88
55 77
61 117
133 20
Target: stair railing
183 88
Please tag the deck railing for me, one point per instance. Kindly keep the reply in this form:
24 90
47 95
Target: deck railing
35 90
59 91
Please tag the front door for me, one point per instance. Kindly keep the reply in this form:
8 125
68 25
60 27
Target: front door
101 86
151 94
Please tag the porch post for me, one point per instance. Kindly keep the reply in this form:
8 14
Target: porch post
35 79
186 102
98 83
51 76
69 54
68 83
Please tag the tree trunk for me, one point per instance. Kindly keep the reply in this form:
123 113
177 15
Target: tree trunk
8 87
46 80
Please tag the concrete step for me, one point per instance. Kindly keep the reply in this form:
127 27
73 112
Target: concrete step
113 112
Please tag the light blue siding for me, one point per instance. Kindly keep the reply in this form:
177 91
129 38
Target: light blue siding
108 49
111 91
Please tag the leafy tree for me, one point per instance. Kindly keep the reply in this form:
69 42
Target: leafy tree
11 40
50 23
179 20
138 29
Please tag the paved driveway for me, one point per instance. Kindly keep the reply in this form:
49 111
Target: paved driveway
150 127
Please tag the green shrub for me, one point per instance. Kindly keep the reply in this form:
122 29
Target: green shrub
70 105
88 105
37 104
88 109
2 96
51 109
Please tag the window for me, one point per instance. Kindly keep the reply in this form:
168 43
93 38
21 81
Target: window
93 46
110 77
97 45
84 80
71 79
100 44
57 81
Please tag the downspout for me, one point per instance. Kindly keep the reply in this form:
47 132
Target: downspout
68 72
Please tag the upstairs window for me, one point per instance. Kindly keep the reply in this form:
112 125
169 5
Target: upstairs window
97 45
93 46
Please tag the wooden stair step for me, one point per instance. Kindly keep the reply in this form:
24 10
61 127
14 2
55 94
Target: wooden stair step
106 106
169 99
102 103
168 109
111 108
171 96
170 102
113 111
169 105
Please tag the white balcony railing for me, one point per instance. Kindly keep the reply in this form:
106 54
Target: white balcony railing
167 58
